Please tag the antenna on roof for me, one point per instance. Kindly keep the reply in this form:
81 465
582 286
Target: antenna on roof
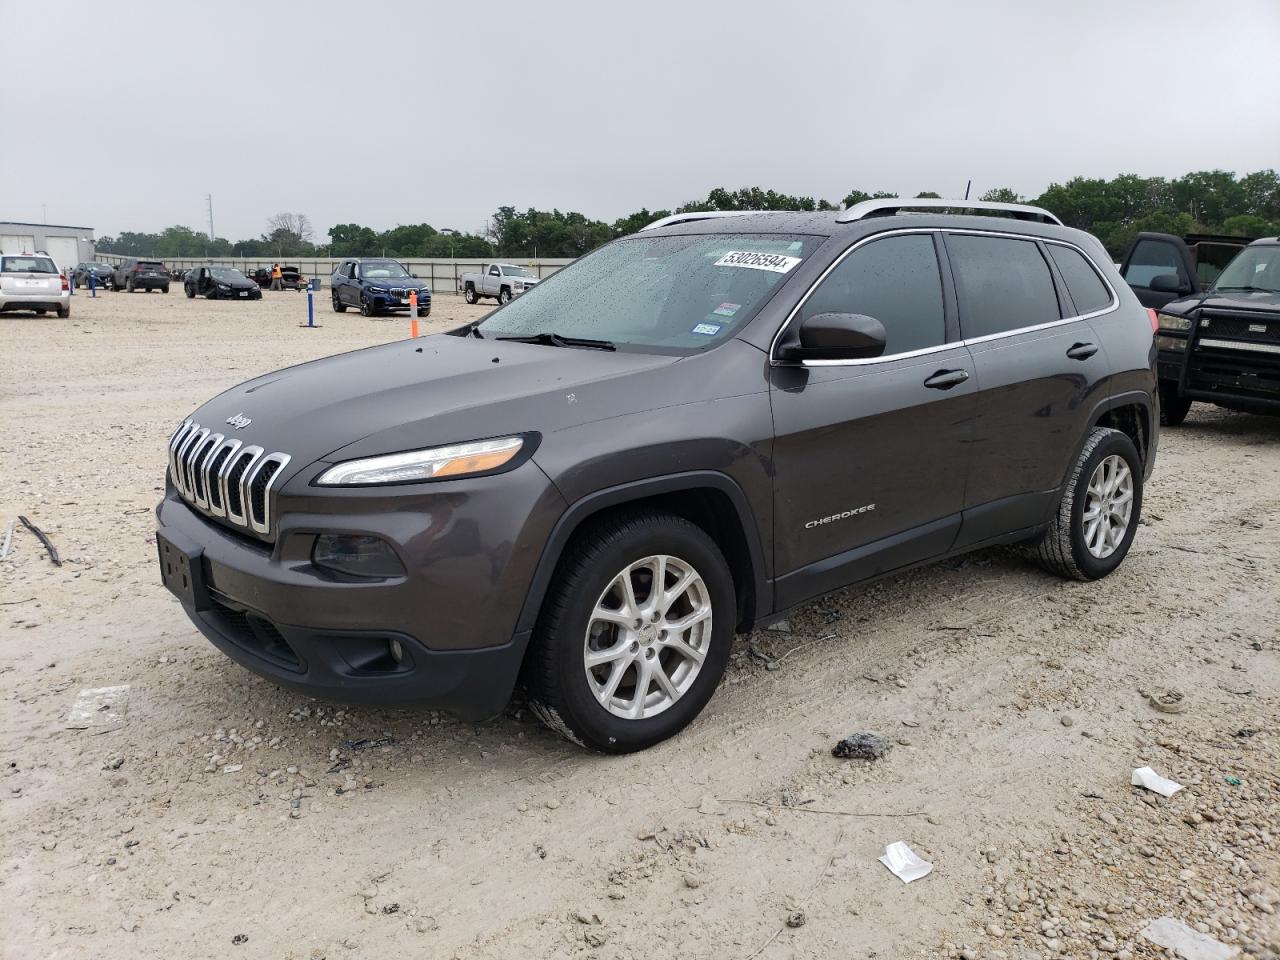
967 186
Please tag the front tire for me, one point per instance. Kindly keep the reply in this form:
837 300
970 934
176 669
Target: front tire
366 307
128 285
504 296
1099 513
617 665
1173 406
191 294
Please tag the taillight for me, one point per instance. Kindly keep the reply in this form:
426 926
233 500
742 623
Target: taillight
65 285
1151 315
137 269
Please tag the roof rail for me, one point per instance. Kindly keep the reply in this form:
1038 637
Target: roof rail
888 206
694 216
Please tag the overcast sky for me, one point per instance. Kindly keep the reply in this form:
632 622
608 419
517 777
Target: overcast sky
386 113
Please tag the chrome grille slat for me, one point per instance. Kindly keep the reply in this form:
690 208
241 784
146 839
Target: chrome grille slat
199 468
216 474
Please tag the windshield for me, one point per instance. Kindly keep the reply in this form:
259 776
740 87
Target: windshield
27 265
227 274
100 267
511 271
382 270
675 294
1256 268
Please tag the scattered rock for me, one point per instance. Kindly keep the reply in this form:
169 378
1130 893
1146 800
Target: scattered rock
861 746
240 938
1067 720
710 806
796 919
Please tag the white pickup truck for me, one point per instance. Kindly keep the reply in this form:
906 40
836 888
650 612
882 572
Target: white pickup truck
501 281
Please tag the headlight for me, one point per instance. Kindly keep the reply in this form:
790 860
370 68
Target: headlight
224 286
377 289
438 462
356 555
1167 321
1177 344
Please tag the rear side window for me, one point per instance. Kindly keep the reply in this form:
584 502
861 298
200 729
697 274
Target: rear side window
1153 258
1087 290
896 280
27 265
1002 284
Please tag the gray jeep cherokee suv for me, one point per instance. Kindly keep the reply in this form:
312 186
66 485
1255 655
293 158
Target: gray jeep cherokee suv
680 436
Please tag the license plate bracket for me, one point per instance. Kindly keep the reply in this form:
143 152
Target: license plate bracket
182 569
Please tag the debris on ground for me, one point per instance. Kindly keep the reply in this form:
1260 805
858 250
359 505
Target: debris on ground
367 744
8 538
99 709
1146 777
1185 942
40 535
903 862
796 919
1168 701
861 746
781 626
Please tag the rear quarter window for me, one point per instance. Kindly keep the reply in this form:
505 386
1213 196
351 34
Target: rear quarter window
1088 292
1002 284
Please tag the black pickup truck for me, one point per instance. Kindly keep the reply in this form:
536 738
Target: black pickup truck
1218 326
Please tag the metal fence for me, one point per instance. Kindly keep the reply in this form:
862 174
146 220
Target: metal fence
441 274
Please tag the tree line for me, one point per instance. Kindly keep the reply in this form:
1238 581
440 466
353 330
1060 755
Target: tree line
1210 201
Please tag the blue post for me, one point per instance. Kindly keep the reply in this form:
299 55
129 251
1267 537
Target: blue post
93 283
311 308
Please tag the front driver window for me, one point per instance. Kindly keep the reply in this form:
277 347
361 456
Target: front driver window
895 280
1153 258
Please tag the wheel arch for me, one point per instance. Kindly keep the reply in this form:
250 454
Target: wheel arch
710 499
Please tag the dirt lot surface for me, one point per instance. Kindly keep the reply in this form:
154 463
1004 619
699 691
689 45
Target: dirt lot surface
228 818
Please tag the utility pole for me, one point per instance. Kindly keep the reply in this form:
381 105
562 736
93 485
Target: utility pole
209 199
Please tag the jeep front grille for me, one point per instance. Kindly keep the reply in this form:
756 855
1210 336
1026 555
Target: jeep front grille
224 478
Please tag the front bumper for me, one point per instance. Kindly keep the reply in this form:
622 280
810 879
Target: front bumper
469 548
388 302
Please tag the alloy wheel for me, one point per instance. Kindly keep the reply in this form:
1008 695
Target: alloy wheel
1108 506
647 637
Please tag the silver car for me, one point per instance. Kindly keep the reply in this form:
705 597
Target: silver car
32 281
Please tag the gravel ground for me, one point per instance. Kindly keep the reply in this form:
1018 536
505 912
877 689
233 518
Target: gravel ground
227 817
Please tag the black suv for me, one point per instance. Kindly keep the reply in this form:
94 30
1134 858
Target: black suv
680 436
83 272
136 274
376 285
1220 344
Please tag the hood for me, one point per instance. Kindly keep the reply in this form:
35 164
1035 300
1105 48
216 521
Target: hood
1262 301
242 284
426 392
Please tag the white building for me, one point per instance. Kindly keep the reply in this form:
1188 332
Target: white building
67 245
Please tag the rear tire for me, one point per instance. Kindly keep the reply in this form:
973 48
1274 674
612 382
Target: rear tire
338 305
1173 407
1094 525
469 294
165 288
64 311
569 696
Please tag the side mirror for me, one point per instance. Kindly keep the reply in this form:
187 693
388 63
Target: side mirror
1168 283
836 336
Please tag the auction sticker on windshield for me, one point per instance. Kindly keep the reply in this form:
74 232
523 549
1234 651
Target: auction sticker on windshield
774 262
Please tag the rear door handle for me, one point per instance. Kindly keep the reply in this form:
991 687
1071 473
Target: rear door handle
946 379
1082 351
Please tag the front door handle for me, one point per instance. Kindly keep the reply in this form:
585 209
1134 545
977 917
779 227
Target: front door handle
1082 351
946 379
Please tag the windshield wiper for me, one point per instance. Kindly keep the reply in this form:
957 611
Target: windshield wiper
555 340
1250 288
